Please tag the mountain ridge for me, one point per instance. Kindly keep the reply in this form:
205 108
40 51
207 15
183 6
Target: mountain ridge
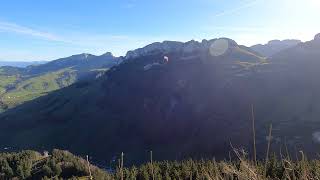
274 46
169 46
144 101
194 103
317 37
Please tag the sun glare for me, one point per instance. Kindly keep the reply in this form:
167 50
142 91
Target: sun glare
303 3
315 3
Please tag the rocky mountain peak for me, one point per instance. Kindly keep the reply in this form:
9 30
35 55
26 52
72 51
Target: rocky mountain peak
107 54
274 46
289 42
317 37
81 56
165 46
171 46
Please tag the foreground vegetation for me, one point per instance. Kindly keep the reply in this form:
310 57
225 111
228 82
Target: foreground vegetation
63 165
58 165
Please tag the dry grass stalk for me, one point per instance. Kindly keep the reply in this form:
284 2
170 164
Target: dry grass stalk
90 175
254 136
268 149
151 161
122 154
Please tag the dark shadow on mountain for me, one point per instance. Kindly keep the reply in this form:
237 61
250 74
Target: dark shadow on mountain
194 105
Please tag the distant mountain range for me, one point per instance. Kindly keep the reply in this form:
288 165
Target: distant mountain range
274 46
20 64
18 85
178 99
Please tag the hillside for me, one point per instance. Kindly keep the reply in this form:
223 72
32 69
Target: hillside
19 85
181 100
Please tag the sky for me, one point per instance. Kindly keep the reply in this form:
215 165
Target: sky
38 30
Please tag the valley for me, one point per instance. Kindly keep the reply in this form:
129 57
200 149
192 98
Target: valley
19 85
159 90
191 105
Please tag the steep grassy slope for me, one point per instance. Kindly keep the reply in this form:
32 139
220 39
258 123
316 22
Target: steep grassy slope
6 81
19 85
9 77
34 87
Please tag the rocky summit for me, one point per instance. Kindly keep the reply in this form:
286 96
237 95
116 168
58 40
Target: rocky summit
174 46
317 37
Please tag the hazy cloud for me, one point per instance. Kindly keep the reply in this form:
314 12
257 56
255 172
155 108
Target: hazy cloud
239 8
240 29
130 4
253 35
73 41
15 28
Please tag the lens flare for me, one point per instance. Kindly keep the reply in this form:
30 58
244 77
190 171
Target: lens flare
219 47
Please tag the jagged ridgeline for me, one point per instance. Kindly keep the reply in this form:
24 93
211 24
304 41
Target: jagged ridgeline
180 100
18 85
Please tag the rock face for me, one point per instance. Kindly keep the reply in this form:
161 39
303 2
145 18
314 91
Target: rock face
174 46
287 42
317 37
107 54
166 46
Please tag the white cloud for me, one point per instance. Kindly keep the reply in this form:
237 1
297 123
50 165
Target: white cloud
15 28
238 29
236 9
74 41
71 42
77 41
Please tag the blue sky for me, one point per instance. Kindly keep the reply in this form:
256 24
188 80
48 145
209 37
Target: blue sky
45 30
